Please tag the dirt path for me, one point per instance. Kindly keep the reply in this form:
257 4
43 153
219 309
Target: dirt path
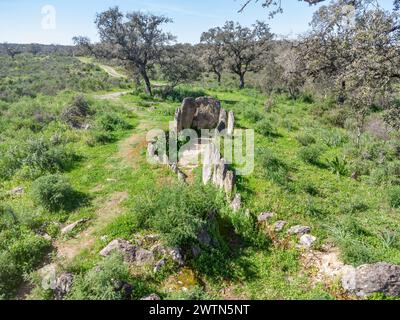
67 250
108 69
111 95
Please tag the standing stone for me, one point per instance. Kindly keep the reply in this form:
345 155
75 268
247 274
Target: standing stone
229 182
231 123
220 173
188 110
178 120
207 113
236 203
223 120
207 164
373 278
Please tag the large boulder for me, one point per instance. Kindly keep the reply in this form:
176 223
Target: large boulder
373 278
207 113
188 110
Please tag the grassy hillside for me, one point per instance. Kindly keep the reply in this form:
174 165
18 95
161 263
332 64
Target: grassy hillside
92 154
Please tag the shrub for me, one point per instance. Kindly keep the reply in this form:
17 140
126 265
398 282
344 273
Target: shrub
178 212
253 115
265 128
338 166
394 197
53 192
112 122
311 154
76 114
102 281
274 169
305 139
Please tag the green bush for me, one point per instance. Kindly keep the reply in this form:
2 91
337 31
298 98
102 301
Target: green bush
311 154
253 115
102 282
305 139
394 197
265 128
112 122
53 192
273 168
178 212
338 166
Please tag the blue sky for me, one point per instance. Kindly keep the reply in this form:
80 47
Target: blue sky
21 20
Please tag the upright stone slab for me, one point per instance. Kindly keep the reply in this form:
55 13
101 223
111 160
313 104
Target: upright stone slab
178 120
207 164
189 107
231 123
223 120
229 182
220 173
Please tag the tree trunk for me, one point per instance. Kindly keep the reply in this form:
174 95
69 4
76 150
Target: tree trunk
146 82
218 77
241 81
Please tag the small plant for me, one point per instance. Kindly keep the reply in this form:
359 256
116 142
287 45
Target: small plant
253 115
305 139
394 197
265 128
53 192
111 122
311 154
338 166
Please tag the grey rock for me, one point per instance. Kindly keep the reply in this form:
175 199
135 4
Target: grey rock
204 237
307 240
151 151
279 225
144 257
123 287
17 191
196 251
220 173
207 113
231 123
236 202
63 285
189 107
176 256
265 216
124 247
151 297
229 182
299 230
373 278
207 164
71 227
158 266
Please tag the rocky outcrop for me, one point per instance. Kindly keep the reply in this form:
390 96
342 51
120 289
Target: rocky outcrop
265 217
299 230
63 285
306 241
373 278
279 225
125 248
